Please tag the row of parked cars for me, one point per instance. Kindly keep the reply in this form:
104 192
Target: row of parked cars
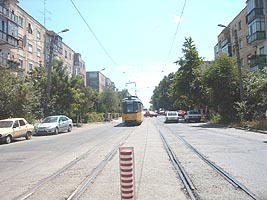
188 116
174 116
18 127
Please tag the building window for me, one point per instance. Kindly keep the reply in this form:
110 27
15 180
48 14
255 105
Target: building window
38 52
240 25
30 67
38 35
241 44
30 28
20 21
20 63
242 62
261 51
70 56
66 54
30 47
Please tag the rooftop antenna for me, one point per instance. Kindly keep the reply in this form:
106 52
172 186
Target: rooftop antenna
44 11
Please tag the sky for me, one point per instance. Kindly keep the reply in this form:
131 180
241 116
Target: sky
136 41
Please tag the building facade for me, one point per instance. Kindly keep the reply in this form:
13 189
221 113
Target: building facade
247 32
26 44
256 20
96 80
79 67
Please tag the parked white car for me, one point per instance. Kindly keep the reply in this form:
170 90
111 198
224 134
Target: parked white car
14 128
171 116
192 115
54 125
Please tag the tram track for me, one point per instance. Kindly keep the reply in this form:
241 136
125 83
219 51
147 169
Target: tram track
88 178
185 178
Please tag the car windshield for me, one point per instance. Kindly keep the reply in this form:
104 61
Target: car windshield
6 124
50 120
172 114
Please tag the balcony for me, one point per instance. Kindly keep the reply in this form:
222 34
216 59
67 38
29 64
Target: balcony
255 13
258 61
257 36
5 12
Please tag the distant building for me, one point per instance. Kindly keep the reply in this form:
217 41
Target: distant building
97 81
79 67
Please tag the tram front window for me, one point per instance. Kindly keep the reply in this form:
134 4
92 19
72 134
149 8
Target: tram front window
130 108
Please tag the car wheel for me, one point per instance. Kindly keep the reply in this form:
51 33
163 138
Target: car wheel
8 139
28 136
69 128
56 131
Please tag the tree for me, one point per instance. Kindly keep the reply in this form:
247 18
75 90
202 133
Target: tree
163 94
109 101
221 79
18 97
255 85
188 88
38 79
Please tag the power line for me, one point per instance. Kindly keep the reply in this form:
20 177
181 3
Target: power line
99 42
178 25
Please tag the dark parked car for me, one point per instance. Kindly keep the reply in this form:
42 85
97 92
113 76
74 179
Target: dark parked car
54 125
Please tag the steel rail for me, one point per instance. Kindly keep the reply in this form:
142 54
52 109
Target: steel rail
86 183
32 190
218 169
179 169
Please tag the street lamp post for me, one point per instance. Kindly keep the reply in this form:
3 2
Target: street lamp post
49 70
238 62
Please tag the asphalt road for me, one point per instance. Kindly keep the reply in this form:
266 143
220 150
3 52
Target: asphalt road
34 165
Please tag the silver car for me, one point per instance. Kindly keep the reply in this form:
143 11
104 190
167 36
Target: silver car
54 125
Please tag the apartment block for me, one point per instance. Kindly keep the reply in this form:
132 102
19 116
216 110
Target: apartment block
26 44
247 32
256 20
79 67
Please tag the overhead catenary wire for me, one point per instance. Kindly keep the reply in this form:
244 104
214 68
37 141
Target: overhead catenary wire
178 25
99 42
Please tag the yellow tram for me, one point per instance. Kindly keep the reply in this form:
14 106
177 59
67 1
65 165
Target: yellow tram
132 111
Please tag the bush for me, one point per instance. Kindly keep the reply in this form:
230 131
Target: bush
216 119
95 117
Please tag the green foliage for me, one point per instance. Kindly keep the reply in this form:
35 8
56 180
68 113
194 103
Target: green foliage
95 117
109 101
216 119
221 80
18 97
163 93
27 96
255 85
183 89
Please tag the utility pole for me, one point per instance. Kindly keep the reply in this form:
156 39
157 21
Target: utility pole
238 62
239 66
49 70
